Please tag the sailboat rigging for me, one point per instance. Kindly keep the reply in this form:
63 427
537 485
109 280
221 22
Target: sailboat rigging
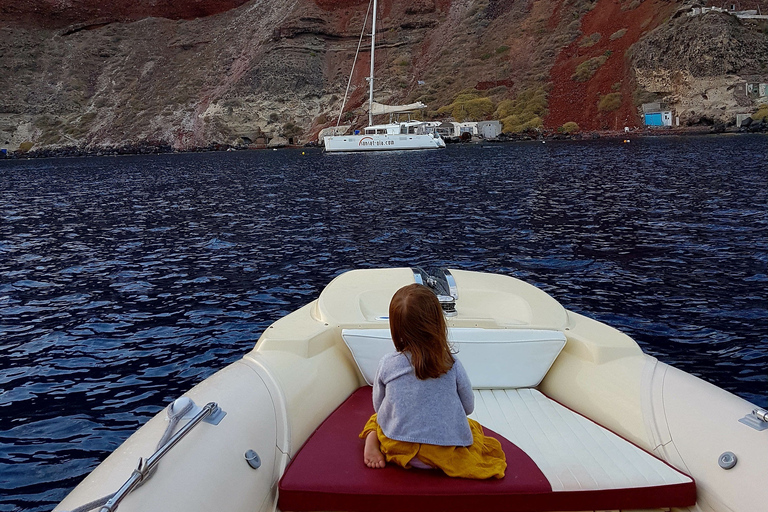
385 137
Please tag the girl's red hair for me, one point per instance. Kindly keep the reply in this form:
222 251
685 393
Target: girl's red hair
418 327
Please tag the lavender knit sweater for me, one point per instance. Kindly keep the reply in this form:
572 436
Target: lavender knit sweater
431 411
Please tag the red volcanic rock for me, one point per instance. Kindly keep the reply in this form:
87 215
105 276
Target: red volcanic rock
329 5
490 84
60 13
570 100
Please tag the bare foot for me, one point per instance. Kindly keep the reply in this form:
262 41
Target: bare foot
372 455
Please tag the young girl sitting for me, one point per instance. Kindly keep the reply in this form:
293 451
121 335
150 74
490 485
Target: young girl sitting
422 396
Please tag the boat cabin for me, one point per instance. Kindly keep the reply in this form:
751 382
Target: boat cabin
403 128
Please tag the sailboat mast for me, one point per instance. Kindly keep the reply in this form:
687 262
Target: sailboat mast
370 78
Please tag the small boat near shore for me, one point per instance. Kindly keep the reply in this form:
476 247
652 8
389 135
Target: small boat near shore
586 419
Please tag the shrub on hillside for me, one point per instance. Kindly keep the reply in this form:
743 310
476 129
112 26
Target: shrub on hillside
609 102
479 109
618 34
532 101
468 107
588 68
291 130
524 112
533 123
628 5
590 40
569 127
518 124
761 114
462 98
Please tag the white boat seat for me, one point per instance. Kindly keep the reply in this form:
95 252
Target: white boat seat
574 453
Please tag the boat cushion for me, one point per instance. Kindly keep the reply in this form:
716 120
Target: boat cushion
575 453
493 358
328 472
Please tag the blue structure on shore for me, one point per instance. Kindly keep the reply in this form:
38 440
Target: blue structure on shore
657 114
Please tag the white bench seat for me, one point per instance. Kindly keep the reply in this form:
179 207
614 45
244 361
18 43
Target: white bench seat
574 453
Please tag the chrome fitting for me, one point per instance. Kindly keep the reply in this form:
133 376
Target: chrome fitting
448 304
757 419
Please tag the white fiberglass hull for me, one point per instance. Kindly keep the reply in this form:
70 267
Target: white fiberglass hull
382 142
301 370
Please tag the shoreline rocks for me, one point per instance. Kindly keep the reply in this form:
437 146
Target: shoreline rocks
157 149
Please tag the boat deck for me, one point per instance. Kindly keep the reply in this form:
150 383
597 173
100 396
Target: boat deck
557 460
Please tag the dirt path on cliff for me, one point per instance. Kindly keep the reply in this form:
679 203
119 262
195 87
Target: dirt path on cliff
570 100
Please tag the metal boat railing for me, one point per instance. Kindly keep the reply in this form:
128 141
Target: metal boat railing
145 467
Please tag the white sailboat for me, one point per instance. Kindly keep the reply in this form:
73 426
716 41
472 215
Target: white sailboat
391 136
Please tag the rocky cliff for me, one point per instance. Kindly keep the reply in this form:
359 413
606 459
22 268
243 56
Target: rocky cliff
82 73
62 13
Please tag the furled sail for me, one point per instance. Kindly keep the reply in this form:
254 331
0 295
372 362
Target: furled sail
380 108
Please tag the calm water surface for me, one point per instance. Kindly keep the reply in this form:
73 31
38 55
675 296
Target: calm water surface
126 281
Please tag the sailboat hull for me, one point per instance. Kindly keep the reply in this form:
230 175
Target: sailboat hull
381 142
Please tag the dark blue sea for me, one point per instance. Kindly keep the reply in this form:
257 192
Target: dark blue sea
124 281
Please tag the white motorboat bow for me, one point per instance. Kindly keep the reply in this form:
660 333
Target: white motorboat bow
586 419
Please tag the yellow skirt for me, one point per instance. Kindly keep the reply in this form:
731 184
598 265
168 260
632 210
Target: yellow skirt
484 458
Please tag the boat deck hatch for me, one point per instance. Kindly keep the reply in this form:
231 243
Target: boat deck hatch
571 464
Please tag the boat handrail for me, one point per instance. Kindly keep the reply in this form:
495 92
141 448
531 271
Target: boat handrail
177 410
145 467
